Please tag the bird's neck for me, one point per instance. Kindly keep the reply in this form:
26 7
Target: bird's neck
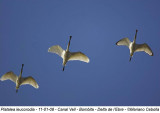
21 73
68 44
134 41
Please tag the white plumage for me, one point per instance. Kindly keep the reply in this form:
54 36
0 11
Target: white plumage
19 80
66 55
143 47
30 81
9 76
133 47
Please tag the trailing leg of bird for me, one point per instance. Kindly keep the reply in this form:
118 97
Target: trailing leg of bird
130 58
63 68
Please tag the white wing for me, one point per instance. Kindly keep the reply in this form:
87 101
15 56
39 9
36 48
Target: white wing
78 56
124 41
29 80
56 49
9 76
143 47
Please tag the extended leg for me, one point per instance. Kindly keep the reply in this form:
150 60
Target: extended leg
63 68
130 58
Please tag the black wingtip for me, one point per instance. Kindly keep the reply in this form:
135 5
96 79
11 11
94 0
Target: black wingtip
16 90
70 37
22 65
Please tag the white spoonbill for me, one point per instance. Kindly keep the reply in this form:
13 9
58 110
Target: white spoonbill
19 80
66 55
133 47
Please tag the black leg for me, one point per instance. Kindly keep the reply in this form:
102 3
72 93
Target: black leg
130 58
63 68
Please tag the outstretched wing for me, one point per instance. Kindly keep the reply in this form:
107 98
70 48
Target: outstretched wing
29 80
9 76
56 49
143 47
124 41
78 56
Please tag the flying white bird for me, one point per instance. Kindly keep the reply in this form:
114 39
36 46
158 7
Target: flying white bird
19 80
66 55
133 47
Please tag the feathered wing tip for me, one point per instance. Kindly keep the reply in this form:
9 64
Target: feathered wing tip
88 60
124 42
37 86
57 50
143 47
117 43
78 56
151 52
30 81
9 76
